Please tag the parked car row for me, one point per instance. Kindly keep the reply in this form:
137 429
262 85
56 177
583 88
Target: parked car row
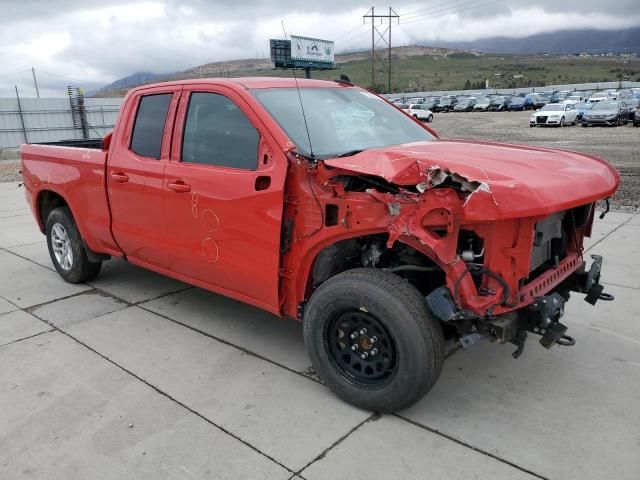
529 101
609 107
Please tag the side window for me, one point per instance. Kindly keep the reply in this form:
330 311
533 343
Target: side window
216 132
148 128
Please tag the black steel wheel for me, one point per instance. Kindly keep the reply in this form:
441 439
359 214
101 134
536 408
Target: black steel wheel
361 348
372 341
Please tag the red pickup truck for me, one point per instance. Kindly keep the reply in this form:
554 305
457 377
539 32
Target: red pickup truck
323 202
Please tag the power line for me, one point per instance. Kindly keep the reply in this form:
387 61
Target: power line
352 40
13 73
348 33
60 76
410 15
457 9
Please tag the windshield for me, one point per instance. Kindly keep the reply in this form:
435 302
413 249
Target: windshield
583 106
340 120
605 106
552 107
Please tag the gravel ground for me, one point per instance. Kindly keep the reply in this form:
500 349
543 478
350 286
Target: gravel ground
10 171
619 145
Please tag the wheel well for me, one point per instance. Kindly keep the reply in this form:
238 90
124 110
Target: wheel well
47 201
371 251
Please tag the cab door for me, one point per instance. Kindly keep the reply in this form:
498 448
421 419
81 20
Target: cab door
135 175
223 197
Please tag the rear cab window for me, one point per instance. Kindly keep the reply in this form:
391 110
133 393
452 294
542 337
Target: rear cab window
148 127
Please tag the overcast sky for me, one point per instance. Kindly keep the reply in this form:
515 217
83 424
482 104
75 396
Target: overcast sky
93 42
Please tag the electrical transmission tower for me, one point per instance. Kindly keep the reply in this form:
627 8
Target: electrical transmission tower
376 35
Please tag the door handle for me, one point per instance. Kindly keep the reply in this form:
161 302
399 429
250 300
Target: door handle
179 186
120 177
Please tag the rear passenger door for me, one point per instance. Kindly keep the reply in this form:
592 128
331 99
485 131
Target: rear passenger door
135 174
224 197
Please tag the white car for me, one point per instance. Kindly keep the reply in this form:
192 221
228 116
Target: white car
598 97
573 99
418 111
556 114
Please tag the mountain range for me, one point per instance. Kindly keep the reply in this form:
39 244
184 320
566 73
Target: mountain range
565 41
589 41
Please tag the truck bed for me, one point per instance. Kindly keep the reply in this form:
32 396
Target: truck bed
95 143
77 175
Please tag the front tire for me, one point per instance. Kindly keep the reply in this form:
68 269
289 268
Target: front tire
66 248
372 340
430 119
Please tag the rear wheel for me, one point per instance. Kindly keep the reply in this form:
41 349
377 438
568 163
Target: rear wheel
372 340
66 248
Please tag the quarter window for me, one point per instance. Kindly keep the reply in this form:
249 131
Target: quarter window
217 132
148 128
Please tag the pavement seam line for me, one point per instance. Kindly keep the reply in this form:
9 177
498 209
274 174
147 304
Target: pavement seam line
140 305
27 338
230 344
12 303
166 395
30 308
612 231
620 286
467 445
91 287
371 418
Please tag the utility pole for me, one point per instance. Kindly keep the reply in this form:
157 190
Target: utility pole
373 44
371 14
389 44
35 82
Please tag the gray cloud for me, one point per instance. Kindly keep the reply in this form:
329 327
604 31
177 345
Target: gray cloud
94 42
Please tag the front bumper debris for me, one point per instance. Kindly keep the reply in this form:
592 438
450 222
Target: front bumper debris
542 317
589 282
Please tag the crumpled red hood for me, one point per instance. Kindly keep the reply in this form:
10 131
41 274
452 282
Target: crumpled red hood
521 180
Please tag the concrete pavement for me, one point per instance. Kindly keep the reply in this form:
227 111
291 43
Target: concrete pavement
139 376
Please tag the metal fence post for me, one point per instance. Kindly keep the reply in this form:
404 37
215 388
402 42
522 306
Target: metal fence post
24 130
103 122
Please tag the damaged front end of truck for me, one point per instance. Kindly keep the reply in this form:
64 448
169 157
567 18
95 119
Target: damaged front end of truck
495 244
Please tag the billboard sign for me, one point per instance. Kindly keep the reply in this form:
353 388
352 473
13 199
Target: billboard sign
307 49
